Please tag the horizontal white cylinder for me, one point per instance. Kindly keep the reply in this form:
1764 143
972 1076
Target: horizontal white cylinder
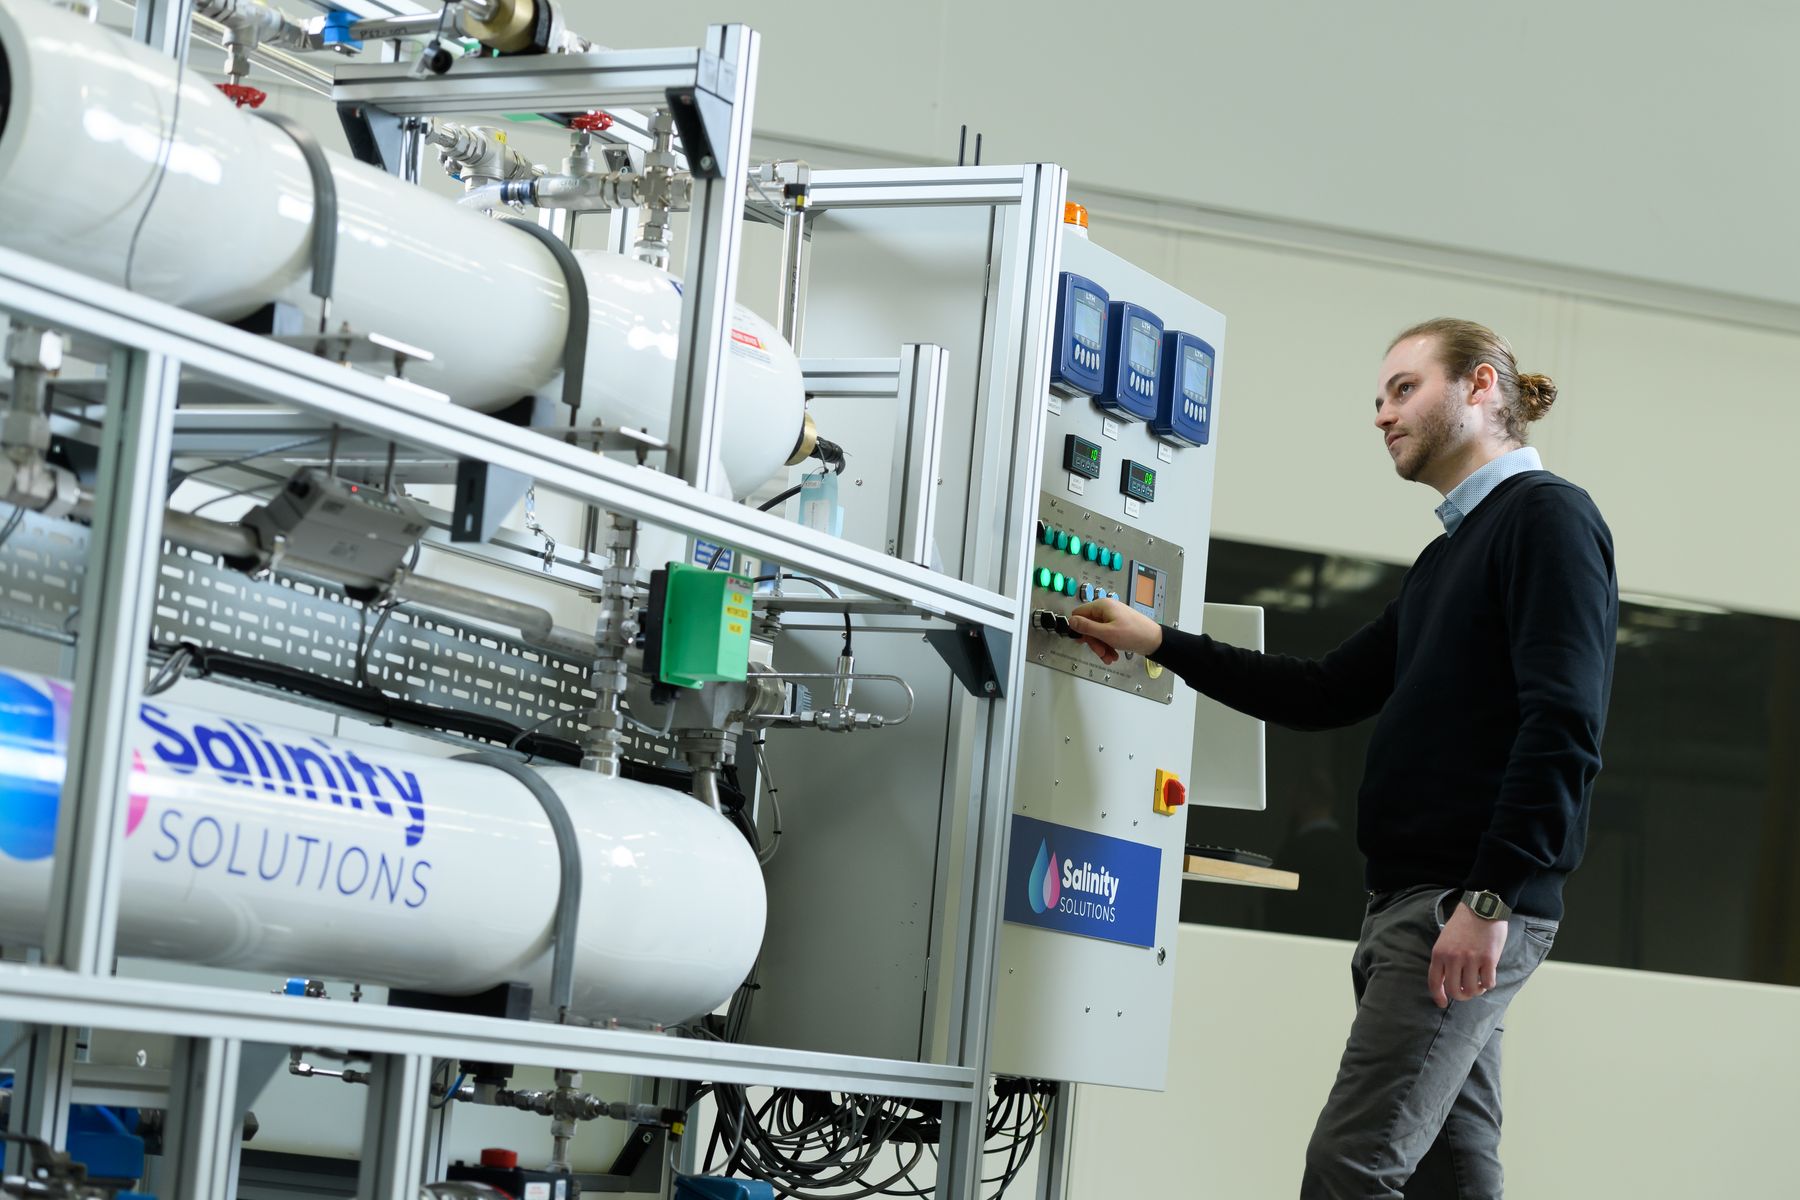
252 846
87 118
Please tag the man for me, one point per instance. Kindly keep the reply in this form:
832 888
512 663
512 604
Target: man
1490 673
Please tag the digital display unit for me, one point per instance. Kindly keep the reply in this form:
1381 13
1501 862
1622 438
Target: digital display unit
1077 365
1134 337
1185 396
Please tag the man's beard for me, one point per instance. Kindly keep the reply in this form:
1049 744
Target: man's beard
1425 441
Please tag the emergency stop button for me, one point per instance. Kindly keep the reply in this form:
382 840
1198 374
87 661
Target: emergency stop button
1170 793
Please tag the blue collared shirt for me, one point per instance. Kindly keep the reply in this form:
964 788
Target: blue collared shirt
1472 491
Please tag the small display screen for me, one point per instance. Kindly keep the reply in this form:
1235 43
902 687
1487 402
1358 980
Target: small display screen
1196 373
1143 348
1089 317
1142 474
1143 589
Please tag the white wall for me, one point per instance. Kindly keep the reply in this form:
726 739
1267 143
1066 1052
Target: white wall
1639 139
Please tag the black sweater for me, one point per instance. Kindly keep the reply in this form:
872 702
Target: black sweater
1491 672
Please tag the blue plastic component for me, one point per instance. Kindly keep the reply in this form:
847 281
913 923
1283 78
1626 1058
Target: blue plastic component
105 1141
714 1188
294 987
1133 361
1080 356
1184 406
337 30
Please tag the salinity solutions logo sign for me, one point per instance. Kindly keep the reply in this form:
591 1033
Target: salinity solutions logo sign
1072 881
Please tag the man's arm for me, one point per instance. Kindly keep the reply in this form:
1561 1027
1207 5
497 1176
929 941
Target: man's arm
1562 615
1346 686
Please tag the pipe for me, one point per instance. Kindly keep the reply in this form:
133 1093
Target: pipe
251 846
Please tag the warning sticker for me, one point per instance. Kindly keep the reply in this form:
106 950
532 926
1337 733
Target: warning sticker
749 345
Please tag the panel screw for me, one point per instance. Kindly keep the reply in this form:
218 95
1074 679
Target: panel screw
1162 956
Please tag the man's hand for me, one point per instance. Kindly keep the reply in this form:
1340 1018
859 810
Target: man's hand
1108 626
1466 959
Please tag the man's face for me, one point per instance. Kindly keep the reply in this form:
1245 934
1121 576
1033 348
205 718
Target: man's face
1417 409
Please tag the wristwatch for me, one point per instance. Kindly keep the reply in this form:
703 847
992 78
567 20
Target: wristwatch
1487 906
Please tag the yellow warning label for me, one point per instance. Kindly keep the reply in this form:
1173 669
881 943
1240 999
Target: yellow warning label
741 613
734 627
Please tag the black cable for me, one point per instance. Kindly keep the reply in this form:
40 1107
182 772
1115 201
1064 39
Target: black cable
764 507
823 587
184 14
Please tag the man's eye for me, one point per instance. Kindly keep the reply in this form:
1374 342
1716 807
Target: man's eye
1405 388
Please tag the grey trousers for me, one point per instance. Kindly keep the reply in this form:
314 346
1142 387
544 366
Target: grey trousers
1415 1110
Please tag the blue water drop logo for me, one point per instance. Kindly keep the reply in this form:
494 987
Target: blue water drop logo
1040 871
30 771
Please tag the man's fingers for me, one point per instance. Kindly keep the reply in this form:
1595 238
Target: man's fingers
1434 984
1104 652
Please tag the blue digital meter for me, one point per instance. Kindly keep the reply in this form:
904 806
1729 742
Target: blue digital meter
1184 408
1080 336
1133 361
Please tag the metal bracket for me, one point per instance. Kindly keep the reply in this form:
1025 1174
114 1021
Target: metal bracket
971 652
568 858
703 114
325 205
376 136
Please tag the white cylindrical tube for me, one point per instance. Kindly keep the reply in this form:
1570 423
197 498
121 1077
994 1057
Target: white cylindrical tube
86 117
252 846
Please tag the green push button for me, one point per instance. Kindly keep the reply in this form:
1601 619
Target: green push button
1043 577
1070 586
1062 539
1056 582
1094 552
1118 560
1046 533
1074 544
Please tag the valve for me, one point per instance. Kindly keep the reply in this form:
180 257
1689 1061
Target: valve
243 95
592 122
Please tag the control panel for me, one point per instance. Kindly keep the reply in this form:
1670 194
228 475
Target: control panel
1075 368
1184 403
1082 555
1133 361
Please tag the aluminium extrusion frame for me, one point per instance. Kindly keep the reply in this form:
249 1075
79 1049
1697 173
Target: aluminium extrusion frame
156 342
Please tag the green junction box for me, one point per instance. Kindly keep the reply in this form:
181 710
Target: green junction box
705 626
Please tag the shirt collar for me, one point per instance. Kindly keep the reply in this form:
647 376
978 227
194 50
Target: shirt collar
1472 491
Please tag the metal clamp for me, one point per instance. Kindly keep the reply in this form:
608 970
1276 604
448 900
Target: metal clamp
575 345
568 857
325 207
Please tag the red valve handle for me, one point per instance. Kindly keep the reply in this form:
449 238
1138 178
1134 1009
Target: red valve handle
593 122
243 95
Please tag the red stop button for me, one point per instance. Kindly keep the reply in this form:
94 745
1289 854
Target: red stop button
504 1160
1174 794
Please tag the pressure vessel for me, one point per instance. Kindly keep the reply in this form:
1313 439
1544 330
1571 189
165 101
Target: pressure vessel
85 150
263 848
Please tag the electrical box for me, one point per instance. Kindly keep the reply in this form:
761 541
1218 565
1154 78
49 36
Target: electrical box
699 627
1107 768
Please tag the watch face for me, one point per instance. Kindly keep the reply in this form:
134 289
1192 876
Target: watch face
1486 904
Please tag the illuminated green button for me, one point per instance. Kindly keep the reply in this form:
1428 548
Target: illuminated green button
1070 586
1043 577
1074 544
1056 582
1062 539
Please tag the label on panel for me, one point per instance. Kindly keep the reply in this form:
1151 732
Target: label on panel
1070 881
